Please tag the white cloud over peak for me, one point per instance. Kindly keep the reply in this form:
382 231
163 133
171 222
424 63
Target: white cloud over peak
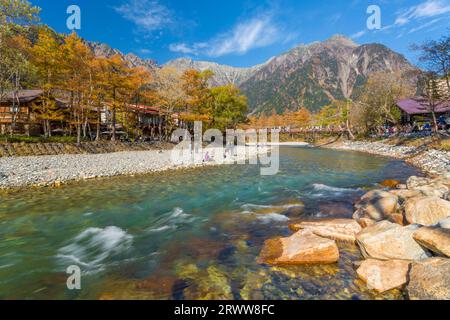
256 32
147 15
358 34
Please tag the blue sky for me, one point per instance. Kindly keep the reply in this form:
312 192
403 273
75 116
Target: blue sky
245 33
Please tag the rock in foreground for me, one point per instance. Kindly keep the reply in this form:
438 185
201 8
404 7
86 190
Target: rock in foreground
335 229
426 211
303 247
376 205
430 280
384 275
389 241
435 239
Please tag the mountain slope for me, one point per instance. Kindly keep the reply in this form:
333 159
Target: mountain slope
103 50
222 74
313 75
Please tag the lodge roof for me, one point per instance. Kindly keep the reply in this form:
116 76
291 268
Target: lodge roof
420 105
24 96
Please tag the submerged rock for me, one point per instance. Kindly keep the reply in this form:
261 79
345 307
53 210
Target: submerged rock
429 279
384 275
389 241
435 239
390 183
303 247
376 205
252 284
205 284
426 210
335 229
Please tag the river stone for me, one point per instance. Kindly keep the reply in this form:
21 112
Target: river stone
435 239
429 279
376 205
384 275
434 189
389 241
335 229
390 183
303 247
426 210
414 182
404 195
445 223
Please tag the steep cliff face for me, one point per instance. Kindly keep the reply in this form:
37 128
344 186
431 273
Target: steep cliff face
222 74
308 75
313 75
103 50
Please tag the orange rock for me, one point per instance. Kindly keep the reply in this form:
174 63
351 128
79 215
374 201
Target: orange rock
384 275
390 183
335 229
303 247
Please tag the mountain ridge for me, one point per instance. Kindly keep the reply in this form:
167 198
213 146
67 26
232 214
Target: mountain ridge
308 75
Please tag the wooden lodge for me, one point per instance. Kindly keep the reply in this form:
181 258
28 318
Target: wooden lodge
17 112
418 109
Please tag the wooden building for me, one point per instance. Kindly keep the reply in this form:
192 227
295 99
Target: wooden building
18 112
418 109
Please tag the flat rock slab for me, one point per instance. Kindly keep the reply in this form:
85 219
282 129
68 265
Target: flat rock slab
335 229
303 247
426 211
389 241
384 275
429 279
435 239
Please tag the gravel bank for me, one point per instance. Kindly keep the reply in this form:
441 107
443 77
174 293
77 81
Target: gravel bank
431 161
17 172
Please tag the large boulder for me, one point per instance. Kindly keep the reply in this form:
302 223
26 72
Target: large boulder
429 279
303 247
426 211
434 190
414 182
445 223
376 205
389 241
435 239
335 229
405 194
438 187
384 275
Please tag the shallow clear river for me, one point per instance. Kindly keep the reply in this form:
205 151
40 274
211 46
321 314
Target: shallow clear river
190 234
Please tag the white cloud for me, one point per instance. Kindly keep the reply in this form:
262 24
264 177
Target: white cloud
427 9
256 32
358 34
147 15
181 48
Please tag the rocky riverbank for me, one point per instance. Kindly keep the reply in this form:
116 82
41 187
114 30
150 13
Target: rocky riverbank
431 161
54 170
402 232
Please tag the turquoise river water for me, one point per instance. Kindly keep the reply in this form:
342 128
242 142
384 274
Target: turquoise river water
189 234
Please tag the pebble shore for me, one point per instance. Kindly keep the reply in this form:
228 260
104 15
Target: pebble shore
54 170
430 161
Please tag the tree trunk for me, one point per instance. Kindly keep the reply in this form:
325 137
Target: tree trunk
99 119
436 127
113 136
78 134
